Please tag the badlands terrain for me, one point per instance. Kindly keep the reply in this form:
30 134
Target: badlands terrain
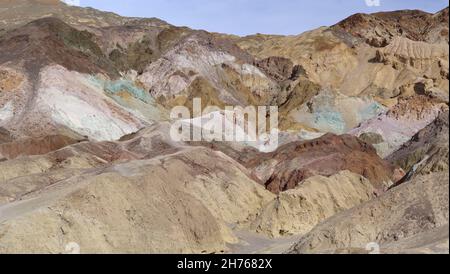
86 154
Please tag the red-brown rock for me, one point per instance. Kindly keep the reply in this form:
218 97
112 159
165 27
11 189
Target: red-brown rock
328 155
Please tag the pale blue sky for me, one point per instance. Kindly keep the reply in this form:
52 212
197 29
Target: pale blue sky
243 17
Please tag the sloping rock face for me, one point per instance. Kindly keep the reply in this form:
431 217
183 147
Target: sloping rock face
63 100
379 28
50 40
46 169
400 123
30 146
164 213
412 217
399 216
52 61
379 55
9 81
435 241
291 164
16 13
278 68
427 62
218 62
297 211
174 65
336 113
427 151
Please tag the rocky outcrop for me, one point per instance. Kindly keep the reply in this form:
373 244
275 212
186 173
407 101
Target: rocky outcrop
161 212
86 154
9 81
16 13
428 60
29 174
402 214
427 151
318 55
334 112
378 29
337 57
31 146
64 100
401 122
291 164
278 68
5 136
50 40
297 211
371 138
438 31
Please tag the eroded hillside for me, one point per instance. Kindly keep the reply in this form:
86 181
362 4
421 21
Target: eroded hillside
87 155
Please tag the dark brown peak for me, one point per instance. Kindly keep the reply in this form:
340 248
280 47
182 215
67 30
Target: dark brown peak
354 19
328 140
147 22
398 14
51 41
218 43
442 16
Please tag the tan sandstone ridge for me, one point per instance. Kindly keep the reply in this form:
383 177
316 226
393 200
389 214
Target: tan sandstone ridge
399 216
297 211
167 204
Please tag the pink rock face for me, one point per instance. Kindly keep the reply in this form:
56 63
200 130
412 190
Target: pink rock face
403 121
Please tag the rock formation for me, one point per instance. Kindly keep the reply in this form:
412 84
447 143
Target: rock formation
427 151
317 198
400 215
87 156
291 164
